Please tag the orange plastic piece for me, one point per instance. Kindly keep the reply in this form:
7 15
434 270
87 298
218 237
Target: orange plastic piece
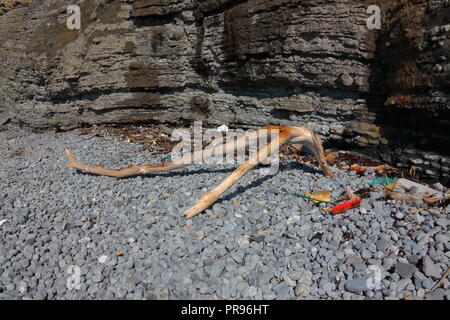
355 167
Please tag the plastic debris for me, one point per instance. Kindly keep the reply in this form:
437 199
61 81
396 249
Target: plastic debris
315 200
339 208
321 196
407 190
2 222
384 181
325 197
415 188
410 197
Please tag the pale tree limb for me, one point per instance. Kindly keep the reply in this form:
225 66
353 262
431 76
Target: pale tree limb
299 135
209 198
198 156
313 143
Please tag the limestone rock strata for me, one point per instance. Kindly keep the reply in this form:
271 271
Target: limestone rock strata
243 62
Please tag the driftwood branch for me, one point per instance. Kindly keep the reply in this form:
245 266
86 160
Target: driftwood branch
299 135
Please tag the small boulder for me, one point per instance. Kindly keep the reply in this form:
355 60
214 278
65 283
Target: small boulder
405 270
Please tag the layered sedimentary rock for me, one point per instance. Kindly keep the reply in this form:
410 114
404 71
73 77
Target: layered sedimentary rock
242 62
412 71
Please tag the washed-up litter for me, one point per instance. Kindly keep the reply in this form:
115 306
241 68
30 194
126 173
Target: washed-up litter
378 169
313 199
383 181
2 222
321 196
410 197
407 190
325 197
406 185
347 205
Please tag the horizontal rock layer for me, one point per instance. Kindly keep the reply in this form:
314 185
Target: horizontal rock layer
245 63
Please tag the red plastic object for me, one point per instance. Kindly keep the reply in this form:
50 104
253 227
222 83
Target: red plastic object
339 208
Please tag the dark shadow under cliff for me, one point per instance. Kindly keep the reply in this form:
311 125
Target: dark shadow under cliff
409 87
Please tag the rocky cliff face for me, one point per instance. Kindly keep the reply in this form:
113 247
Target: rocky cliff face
412 71
241 62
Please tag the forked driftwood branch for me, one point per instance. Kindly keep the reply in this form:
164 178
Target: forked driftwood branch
283 134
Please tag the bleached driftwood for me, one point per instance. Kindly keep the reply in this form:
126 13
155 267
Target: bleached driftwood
283 134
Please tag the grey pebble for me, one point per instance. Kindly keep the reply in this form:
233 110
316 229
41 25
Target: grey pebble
302 290
405 270
357 285
430 268
428 283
